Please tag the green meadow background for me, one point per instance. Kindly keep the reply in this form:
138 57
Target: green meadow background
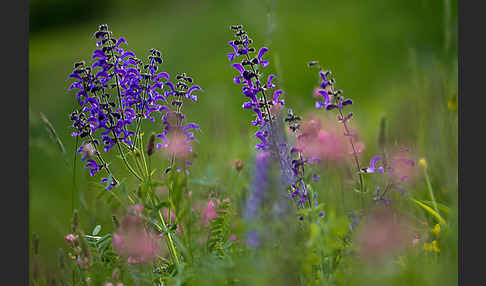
396 59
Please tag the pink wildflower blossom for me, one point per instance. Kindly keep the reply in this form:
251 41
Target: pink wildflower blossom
383 234
210 211
70 238
133 241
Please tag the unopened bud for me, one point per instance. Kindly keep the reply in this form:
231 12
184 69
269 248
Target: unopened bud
239 165
151 145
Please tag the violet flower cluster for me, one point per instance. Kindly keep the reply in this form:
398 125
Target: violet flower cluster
257 88
332 99
116 92
398 167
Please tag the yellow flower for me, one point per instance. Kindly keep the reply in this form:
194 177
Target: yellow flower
431 247
436 230
452 103
422 162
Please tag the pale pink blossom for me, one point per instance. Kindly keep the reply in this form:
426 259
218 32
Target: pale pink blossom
178 145
70 238
210 211
329 142
138 208
385 233
133 241
402 165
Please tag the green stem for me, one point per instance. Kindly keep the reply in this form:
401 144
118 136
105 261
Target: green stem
126 161
169 239
431 191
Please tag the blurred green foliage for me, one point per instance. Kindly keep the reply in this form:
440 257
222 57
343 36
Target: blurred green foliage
396 59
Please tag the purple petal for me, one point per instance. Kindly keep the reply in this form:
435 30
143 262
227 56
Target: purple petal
235 47
196 87
75 75
247 105
276 94
129 53
239 67
121 40
191 125
162 74
372 168
261 52
325 96
269 81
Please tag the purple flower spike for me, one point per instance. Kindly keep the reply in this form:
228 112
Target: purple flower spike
140 89
262 51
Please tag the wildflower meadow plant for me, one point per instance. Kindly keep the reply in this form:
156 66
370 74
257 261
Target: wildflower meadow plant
273 214
257 89
115 95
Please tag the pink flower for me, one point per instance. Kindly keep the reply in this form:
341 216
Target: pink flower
402 165
209 212
329 143
233 237
70 238
133 241
108 284
383 234
178 145
79 261
138 208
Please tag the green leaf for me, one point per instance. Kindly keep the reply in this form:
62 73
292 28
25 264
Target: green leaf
108 181
440 206
153 172
430 210
97 229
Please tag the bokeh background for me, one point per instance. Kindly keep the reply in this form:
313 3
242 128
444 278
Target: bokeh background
396 59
